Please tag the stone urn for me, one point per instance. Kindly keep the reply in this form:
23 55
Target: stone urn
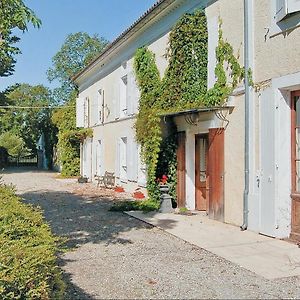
165 199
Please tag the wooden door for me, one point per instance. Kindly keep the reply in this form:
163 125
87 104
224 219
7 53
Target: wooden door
201 178
216 173
295 142
181 169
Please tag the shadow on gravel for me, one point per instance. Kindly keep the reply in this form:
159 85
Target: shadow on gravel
83 219
73 292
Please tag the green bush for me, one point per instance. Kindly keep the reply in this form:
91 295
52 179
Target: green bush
28 268
145 206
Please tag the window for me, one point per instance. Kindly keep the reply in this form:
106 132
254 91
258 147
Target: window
295 107
123 158
142 171
80 110
123 96
99 158
100 106
86 112
285 8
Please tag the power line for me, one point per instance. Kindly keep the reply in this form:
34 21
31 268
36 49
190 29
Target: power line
34 107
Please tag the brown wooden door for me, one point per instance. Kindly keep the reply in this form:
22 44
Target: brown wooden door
295 142
201 178
181 169
216 173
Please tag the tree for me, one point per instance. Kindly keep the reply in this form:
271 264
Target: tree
14 14
33 120
14 145
78 50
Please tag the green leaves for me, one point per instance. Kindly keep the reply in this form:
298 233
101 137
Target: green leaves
77 51
184 86
28 265
14 14
14 144
185 79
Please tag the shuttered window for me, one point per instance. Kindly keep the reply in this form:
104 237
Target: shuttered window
286 7
293 6
80 112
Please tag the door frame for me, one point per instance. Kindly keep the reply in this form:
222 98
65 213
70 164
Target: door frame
181 169
295 195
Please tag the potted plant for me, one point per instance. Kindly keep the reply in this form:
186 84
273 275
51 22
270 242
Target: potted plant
138 195
165 198
119 189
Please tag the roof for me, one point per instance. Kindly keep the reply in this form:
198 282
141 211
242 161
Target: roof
151 10
194 111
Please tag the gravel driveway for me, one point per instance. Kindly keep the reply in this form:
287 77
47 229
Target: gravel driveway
115 256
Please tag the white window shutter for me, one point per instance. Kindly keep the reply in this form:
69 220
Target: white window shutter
123 159
132 161
135 161
137 95
293 6
130 94
116 100
94 110
117 166
86 112
142 171
102 170
281 9
80 112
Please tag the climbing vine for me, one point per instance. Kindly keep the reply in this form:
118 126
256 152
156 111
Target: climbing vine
184 86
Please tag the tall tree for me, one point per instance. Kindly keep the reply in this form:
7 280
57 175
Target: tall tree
14 14
30 116
78 50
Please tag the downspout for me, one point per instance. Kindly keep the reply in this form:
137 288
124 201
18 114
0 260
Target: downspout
247 117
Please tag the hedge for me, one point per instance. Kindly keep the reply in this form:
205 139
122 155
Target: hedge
28 262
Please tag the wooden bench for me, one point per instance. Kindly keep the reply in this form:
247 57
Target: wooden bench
107 180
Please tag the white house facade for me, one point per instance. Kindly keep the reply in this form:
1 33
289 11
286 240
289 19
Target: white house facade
238 162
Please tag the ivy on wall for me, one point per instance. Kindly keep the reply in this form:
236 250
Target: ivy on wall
184 86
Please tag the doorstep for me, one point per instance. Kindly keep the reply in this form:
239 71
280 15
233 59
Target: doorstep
265 256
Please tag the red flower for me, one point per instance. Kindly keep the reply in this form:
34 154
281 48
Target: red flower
163 179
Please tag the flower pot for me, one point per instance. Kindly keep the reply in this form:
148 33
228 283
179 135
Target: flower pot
119 189
138 195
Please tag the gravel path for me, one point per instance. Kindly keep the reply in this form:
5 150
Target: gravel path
115 256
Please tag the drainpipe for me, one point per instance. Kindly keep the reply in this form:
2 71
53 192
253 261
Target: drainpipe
247 118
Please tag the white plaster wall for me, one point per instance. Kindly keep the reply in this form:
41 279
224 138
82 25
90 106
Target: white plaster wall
279 55
230 13
234 163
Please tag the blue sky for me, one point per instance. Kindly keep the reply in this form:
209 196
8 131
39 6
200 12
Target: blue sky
108 18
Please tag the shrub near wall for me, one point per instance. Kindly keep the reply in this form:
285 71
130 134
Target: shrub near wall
28 267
